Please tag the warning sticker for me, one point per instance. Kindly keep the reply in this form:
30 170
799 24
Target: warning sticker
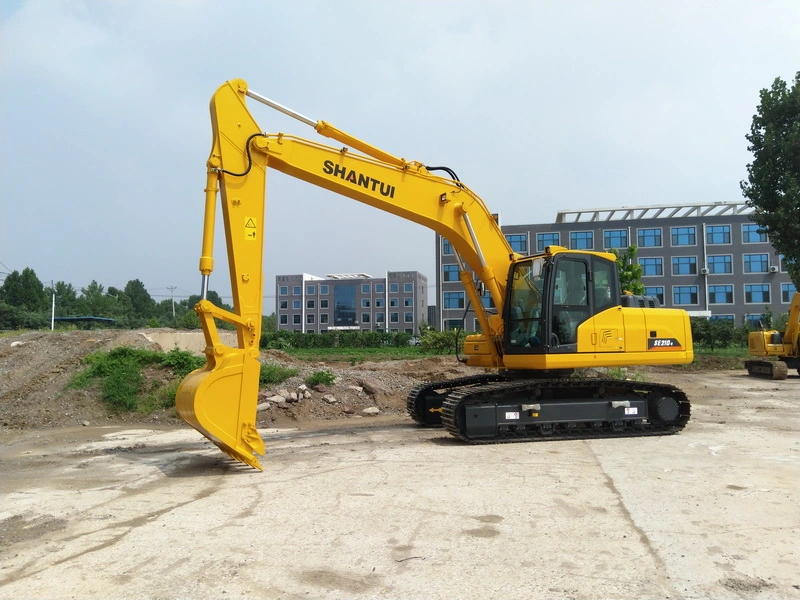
512 415
250 228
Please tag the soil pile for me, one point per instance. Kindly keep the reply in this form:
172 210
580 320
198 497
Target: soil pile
36 368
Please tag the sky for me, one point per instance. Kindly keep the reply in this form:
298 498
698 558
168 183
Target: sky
537 106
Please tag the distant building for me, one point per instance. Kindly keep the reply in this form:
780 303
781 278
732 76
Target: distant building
709 259
397 302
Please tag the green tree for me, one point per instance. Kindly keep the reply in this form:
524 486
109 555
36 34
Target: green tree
269 322
66 299
773 178
630 271
94 301
142 304
24 291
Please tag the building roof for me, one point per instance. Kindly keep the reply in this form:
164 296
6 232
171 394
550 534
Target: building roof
349 276
658 211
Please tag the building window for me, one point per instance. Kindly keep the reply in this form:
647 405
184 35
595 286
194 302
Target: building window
283 290
756 293
449 272
408 288
756 263
296 304
546 239
684 294
323 319
394 302
754 320
720 294
344 305
787 291
720 263
652 267
296 290
394 288
394 317
379 318
447 248
309 319
518 242
310 304
726 318
487 300
323 303
684 236
365 288
379 302
284 319
451 324
684 265
310 290
454 299
581 240
649 238
323 290
615 238
408 302
284 304
718 234
380 288
657 291
296 319
408 317
751 234
365 303
365 317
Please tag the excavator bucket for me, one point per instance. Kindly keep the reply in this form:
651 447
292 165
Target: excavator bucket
220 399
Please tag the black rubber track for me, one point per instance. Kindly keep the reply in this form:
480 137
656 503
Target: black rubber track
415 403
489 394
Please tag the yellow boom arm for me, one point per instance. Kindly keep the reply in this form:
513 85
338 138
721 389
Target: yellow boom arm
219 400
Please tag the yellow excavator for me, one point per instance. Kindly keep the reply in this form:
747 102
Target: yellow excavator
774 352
553 312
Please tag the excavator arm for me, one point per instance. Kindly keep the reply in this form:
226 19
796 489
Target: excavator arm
219 400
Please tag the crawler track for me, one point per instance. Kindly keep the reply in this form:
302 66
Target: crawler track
767 369
496 411
424 403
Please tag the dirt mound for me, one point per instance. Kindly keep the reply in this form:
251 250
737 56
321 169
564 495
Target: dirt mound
36 368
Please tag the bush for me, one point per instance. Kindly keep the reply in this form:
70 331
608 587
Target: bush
122 381
440 342
272 374
181 362
325 377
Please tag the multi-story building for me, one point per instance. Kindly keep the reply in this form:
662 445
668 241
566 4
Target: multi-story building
709 259
397 302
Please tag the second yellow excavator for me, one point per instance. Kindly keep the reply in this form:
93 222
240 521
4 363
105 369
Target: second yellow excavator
554 312
773 353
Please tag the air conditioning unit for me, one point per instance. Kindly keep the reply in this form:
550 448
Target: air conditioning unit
773 269
703 271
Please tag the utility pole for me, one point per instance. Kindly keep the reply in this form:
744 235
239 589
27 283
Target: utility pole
172 289
53 310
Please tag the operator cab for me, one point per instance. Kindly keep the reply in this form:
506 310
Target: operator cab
550 295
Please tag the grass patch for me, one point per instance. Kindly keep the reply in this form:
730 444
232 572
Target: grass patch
273 374
719 359
325 377
122 381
